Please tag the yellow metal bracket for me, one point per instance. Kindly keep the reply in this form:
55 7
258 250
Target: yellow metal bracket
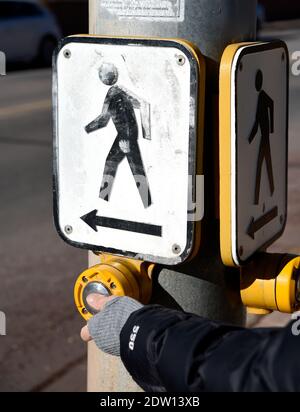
271 282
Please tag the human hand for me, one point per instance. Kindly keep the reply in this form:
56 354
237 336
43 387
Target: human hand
105 327
97 302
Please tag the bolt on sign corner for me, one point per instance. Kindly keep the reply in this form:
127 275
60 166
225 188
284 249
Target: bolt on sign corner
254 85
128 117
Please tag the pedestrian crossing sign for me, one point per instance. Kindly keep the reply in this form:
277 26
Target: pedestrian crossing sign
128 116
253 148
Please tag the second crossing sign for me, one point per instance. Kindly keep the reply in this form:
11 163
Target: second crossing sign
253 148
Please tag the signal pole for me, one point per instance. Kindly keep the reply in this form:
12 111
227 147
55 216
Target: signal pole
203 286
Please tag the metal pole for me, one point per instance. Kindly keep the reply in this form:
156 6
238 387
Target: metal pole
204 287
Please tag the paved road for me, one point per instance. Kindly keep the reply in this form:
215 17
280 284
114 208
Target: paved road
42 350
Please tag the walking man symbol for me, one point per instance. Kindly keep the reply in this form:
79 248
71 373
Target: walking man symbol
119 106
265 121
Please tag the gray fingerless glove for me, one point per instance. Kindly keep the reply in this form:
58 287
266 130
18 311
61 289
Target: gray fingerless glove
105 327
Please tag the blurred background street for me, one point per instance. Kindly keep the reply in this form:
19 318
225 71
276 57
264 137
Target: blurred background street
38 270
42 350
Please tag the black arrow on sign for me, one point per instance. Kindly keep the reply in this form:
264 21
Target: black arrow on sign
92 220
258 224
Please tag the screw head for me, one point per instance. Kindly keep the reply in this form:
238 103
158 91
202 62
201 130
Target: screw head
84 311
84 279
113 285
176 249
68 229
180 60
67 53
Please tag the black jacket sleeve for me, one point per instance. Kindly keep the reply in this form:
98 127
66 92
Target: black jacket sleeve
173 351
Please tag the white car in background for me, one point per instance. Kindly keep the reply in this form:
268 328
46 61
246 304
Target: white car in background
28 31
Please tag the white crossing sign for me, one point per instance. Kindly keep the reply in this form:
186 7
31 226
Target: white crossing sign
253 148
128 117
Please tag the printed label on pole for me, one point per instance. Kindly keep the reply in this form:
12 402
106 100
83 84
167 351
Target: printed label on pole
127 129
146 9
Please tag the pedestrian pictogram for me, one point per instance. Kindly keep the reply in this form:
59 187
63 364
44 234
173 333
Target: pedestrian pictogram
126 162
253 148
264 121
119 105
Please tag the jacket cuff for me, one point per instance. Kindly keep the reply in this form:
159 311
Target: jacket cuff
135 339
163 348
